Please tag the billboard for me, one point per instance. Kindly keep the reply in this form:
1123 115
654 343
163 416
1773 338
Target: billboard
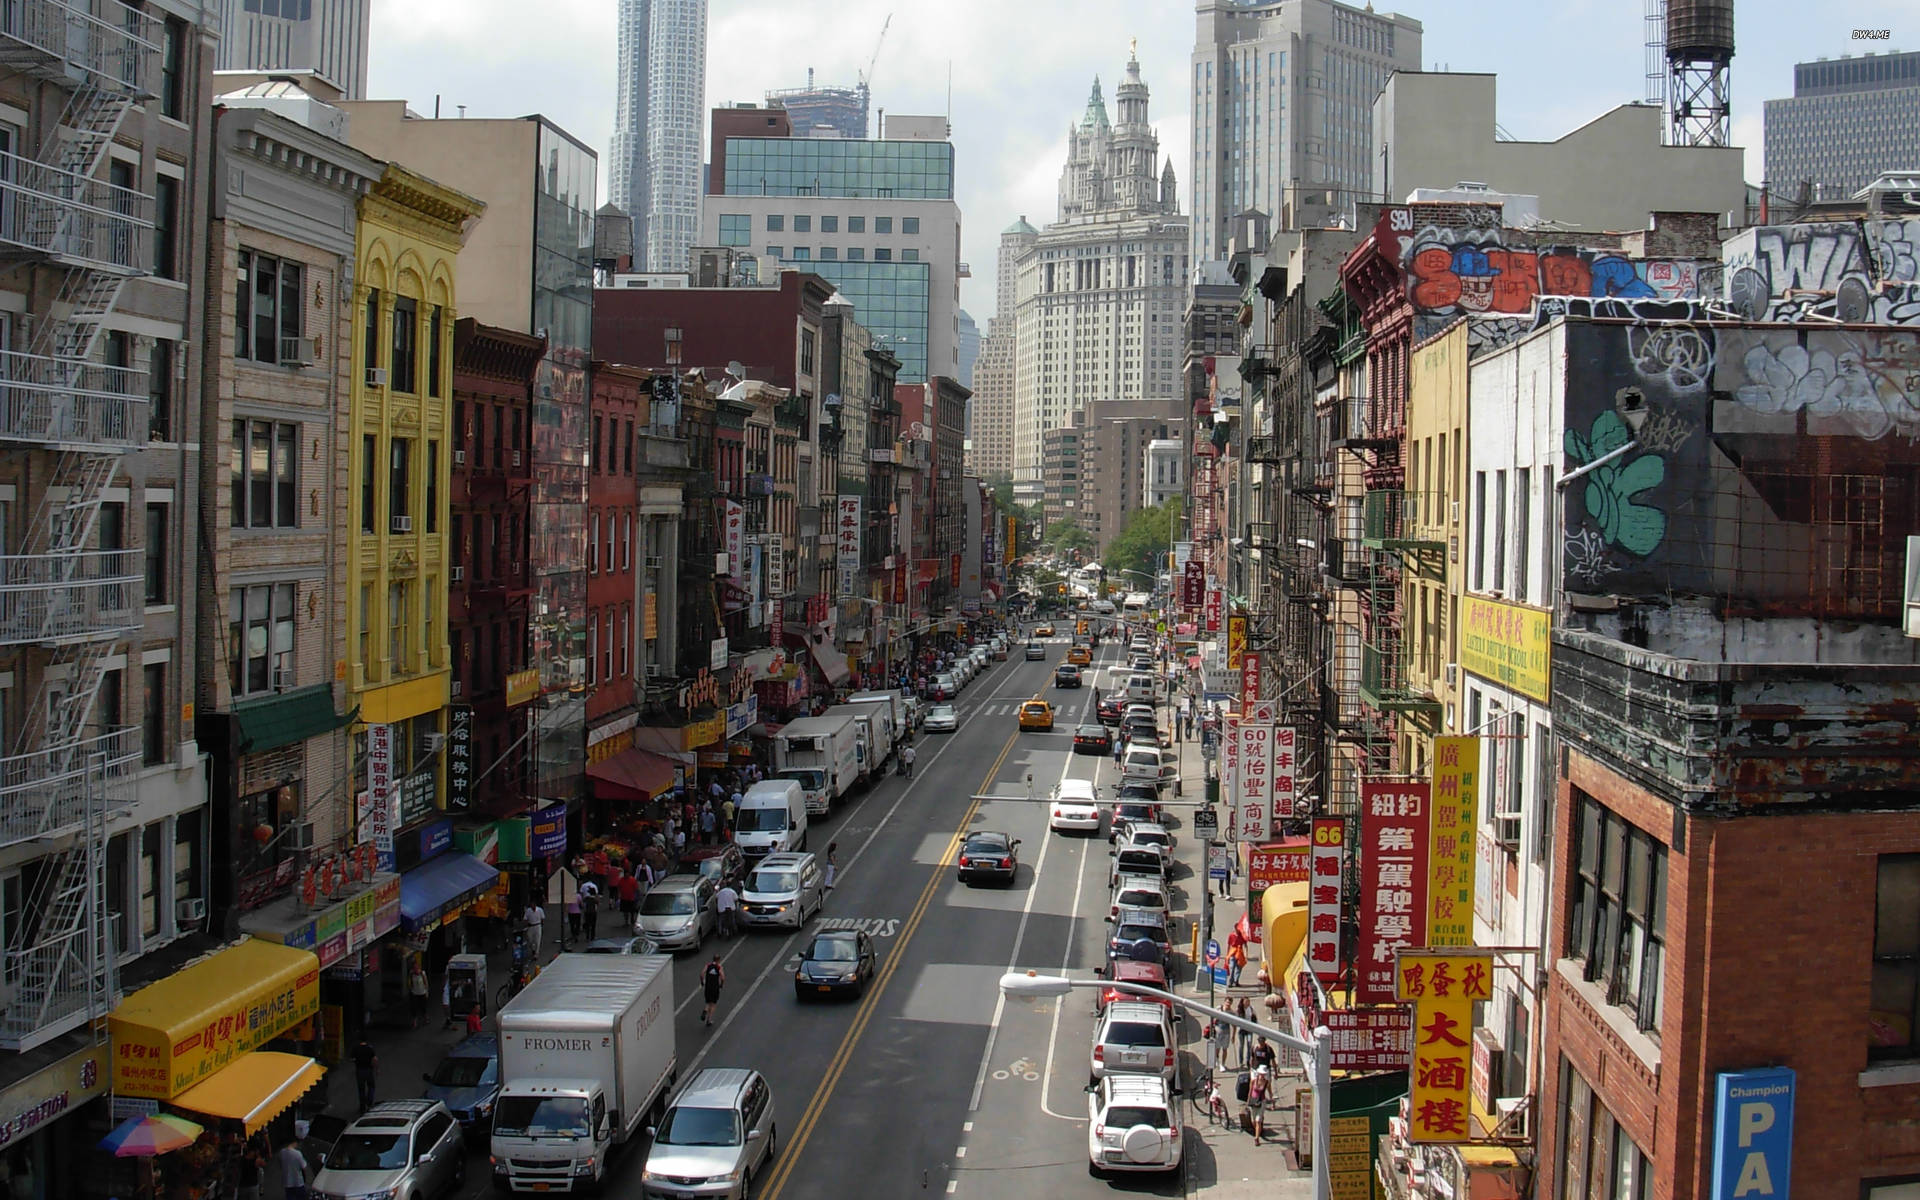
1395 831
1456 826
1326 865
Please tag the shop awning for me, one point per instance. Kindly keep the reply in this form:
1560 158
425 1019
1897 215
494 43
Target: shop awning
631 775
181 1030
831 662
428 892
255 1089
261 725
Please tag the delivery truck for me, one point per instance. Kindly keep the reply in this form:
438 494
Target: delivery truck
875 726
822 755
896 706
586 1061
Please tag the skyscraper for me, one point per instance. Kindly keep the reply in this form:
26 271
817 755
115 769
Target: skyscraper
660 99
824 111
328 36
1848 120
1282 109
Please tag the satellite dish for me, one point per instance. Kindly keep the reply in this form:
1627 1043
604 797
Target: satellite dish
736 370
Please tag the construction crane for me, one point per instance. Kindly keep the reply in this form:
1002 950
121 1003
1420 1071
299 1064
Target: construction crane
866 77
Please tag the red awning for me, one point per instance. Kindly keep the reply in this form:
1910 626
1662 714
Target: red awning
631 775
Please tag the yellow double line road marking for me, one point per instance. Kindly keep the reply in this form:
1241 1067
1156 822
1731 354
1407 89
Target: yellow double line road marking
844 1054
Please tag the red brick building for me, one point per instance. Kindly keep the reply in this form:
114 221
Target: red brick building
619 400
492 478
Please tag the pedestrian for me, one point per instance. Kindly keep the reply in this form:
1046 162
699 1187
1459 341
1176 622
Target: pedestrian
907 755
1119 746
713 977
416 994
833 859
1257 1095
446 1000
590 909
575 922
534 919
728 807
1262 1055
1244 1010
251 1171
680 839
366 1065
1219 1036
727 902
293 1170
1236 956
715 790
628 889
475 1024
707 823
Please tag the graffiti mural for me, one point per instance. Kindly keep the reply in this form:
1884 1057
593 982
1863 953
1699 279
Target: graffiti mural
1847 383
1860 274
1678 355
1613 487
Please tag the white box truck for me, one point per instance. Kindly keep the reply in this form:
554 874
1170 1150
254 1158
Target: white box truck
822 755
586 1060
896 706
875 726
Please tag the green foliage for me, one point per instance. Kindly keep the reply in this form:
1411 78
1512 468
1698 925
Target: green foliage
1066 537
1141 547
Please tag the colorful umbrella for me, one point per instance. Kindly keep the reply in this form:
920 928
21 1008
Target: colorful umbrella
143 1137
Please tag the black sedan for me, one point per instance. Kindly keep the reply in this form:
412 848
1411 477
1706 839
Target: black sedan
989 856
836 961
1092 738
1111 707
1066 675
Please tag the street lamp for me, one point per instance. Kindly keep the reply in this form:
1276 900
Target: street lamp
1317 1054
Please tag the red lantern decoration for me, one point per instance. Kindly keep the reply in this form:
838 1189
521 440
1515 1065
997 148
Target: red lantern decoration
263 833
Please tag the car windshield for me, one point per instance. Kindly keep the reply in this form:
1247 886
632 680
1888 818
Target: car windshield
368 1152
811 780
985 846
1135 1033
761 820
699 1127
1142 898
1126 1116
541 1116
941 712
833 950
460 1071
713 867
1134 933
666 904
778 882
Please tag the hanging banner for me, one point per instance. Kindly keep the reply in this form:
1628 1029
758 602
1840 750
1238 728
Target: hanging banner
1236 640
1230 777
1286 788
733 531
459 757
1249 679
1255 809
1193 584
1324 886
1442 986
381 799
776 564
1456 824
1395 826
1215 609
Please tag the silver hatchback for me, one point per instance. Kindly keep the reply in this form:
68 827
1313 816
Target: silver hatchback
679 911
716 1139
397 1148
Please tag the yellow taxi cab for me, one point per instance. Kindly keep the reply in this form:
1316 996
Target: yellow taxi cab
1043 630
1036 714
1080 656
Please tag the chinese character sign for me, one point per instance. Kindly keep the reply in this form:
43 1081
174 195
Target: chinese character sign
1370 1039
1456 823
1395 826
1326 867
1286 790
1249 680
733 524
1278 862
1193 585
1236 640
459 756
776 564
1230 777
1442 986
381 797
1255 806
1215 609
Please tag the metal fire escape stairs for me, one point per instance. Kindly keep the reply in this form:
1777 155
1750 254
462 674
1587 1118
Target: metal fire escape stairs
69 605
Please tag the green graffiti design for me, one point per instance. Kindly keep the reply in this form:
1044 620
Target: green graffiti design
1636 528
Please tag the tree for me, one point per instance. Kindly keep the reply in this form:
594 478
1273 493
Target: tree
1066 537
1141 546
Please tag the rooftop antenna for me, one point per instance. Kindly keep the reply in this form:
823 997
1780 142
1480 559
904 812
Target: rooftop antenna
463 110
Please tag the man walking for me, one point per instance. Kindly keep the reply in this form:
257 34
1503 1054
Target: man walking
534 919
590 908
293 1170
629 890
366 1065
728 807
713 977
727 902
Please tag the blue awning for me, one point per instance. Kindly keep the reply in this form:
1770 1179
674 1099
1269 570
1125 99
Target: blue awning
429 891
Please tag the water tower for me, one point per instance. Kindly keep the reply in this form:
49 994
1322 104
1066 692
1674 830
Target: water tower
1699 52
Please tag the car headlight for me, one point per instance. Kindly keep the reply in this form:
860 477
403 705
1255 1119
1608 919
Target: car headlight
379 1194
499 1165
584 1166
729 1177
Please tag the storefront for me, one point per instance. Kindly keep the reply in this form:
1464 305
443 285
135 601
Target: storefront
48 1118
339 925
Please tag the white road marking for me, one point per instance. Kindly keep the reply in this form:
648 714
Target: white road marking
960 1153
953 1185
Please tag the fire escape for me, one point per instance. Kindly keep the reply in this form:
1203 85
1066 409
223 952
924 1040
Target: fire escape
66 606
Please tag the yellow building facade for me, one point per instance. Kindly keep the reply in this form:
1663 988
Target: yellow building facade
399 451
1432 578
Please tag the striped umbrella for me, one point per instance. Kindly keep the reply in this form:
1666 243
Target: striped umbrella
144 1137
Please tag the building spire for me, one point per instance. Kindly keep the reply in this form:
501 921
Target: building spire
1096 107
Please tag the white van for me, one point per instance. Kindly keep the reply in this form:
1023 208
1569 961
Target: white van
772 819
1151 764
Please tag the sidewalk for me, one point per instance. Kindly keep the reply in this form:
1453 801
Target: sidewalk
1222 1161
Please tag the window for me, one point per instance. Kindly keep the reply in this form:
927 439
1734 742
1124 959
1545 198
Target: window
735 229
1522 520
599 446
173 54
593 647
260 639
626 446
399 451
186 855
829 253
1500 531
802 254
405 349
606 649
1479 531
1598 1161
399 644
156 553
909 225
369 468
856 253
806 351
150 851
776 251
776 222
370 329
153 722
593 543
166 226
626 662
436 330
613 529
1895 995
802 224
160 391
107 708
264 475
883 224
829 224
1618 919
432 513
267 314
856 224
882 254
626 542
909 256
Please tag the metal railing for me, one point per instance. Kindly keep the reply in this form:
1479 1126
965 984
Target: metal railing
1398 520
43 793
104 42
64 597
66 402
1383 680
46 210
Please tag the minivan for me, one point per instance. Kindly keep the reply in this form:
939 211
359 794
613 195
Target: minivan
715 1141
782 889
772 818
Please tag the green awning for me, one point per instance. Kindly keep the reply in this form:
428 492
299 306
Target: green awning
268 724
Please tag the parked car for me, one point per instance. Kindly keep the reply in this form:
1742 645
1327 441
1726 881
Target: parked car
1139 891
1134 926
720 1128
638 943
1092 739
396 1148
1148 833
1134 1037
1110 708
836 960
1129 859
679 911
1132 1126
1126 970
989 855
942 718
724 863
467 1081
1074 806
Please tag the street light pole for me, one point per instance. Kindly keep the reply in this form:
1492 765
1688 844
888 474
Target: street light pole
1316 1053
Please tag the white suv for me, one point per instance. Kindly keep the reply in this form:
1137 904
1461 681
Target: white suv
1134 1037
1131 1125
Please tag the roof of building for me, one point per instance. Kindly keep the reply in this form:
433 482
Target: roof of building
1019 226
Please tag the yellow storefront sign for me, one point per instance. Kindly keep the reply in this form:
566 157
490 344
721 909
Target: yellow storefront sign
522 686
1451 840
1507 644
1442 986
172 1034
1236 640
704 732
1350 1162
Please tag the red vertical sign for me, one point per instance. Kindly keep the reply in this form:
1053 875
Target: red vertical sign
1395 823
1216 608
1326 868
1249 680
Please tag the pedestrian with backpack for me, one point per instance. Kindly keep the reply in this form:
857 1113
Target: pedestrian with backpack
713 977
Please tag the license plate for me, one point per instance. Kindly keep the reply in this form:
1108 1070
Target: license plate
825 988
541 1187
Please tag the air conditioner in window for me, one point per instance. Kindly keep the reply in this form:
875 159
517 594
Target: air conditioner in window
297 352
433 743
401 525
282 678
300 835
459 574
1453 674
1514 1117
376 377
655 562
459 458
516 457
191 911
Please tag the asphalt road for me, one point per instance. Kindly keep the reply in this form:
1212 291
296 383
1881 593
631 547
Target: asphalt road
932 1084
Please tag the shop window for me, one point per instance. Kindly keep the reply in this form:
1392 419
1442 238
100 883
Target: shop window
1597 1160
1895 996
1617 926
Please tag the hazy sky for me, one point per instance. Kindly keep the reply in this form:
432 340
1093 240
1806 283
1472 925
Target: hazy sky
1014 73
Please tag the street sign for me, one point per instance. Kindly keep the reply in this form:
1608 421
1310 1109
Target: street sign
1206 824
1216 963
1219 862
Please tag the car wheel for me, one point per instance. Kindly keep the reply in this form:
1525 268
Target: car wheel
746 1185
773 1142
